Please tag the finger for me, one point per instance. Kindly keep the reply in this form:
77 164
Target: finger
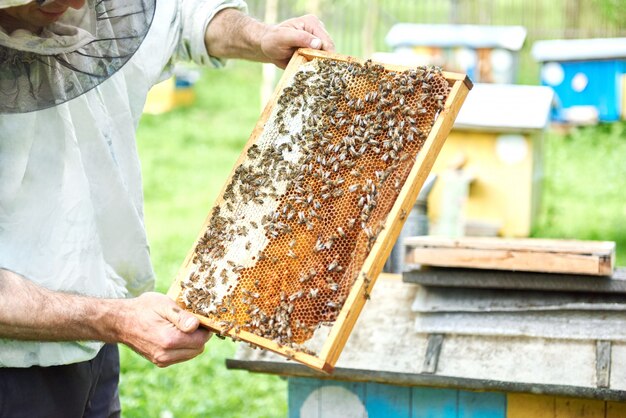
176 356
315 26
180 340
183 320
293 38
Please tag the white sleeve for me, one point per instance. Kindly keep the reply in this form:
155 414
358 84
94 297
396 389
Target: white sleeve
195 16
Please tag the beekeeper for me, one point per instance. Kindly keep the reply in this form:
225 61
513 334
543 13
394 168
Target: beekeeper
75 270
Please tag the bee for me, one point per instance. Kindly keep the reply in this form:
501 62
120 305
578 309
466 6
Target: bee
296 295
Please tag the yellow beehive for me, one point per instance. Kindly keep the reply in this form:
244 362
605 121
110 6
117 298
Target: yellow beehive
315 202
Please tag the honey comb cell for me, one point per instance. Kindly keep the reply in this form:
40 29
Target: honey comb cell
313 197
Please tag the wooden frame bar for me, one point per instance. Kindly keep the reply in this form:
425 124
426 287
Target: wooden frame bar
342 327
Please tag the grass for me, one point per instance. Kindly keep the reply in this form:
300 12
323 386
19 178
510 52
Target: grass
585 180
187 155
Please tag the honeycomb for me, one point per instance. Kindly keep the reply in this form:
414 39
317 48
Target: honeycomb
288 238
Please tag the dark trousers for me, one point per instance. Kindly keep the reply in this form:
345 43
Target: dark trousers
86 389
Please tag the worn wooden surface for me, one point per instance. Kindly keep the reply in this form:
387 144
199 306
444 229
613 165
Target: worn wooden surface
433 350
574 325
615 409
501 279
539 255
434 299
603 364
525 405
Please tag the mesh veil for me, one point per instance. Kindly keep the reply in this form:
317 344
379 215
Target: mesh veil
72 56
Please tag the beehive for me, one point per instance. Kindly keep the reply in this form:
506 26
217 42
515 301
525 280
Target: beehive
315 202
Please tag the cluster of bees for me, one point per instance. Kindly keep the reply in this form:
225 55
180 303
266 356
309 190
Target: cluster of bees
302 211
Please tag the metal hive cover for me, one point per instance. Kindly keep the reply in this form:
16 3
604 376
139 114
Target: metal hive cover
315 202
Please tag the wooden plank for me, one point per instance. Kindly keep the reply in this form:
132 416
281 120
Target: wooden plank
603 364
502 279
615 409
313 398
435 341
523 405
283 368
299 389
387 401
575 325
522 244
482 404
381 249
449 299
540 255
434 403
341 400
579 408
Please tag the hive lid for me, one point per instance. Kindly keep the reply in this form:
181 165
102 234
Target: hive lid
506 107
472 36
579 49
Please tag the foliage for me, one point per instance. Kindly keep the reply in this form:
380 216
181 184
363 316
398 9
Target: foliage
585 178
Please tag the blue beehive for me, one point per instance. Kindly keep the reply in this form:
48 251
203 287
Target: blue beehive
587 76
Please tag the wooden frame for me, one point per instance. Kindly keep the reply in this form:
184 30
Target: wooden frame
342 327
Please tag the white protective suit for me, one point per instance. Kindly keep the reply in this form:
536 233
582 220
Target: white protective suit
71 215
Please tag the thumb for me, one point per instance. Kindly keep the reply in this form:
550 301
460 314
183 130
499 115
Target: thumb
183 320
315 43
302 39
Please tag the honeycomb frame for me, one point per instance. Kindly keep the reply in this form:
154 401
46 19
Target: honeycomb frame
379 247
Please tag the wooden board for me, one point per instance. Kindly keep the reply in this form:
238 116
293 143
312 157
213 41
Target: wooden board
341 327
502 279
538 255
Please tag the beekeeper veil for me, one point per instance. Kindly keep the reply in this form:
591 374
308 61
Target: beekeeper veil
69 56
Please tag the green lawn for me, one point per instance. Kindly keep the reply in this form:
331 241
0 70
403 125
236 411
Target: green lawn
187 155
